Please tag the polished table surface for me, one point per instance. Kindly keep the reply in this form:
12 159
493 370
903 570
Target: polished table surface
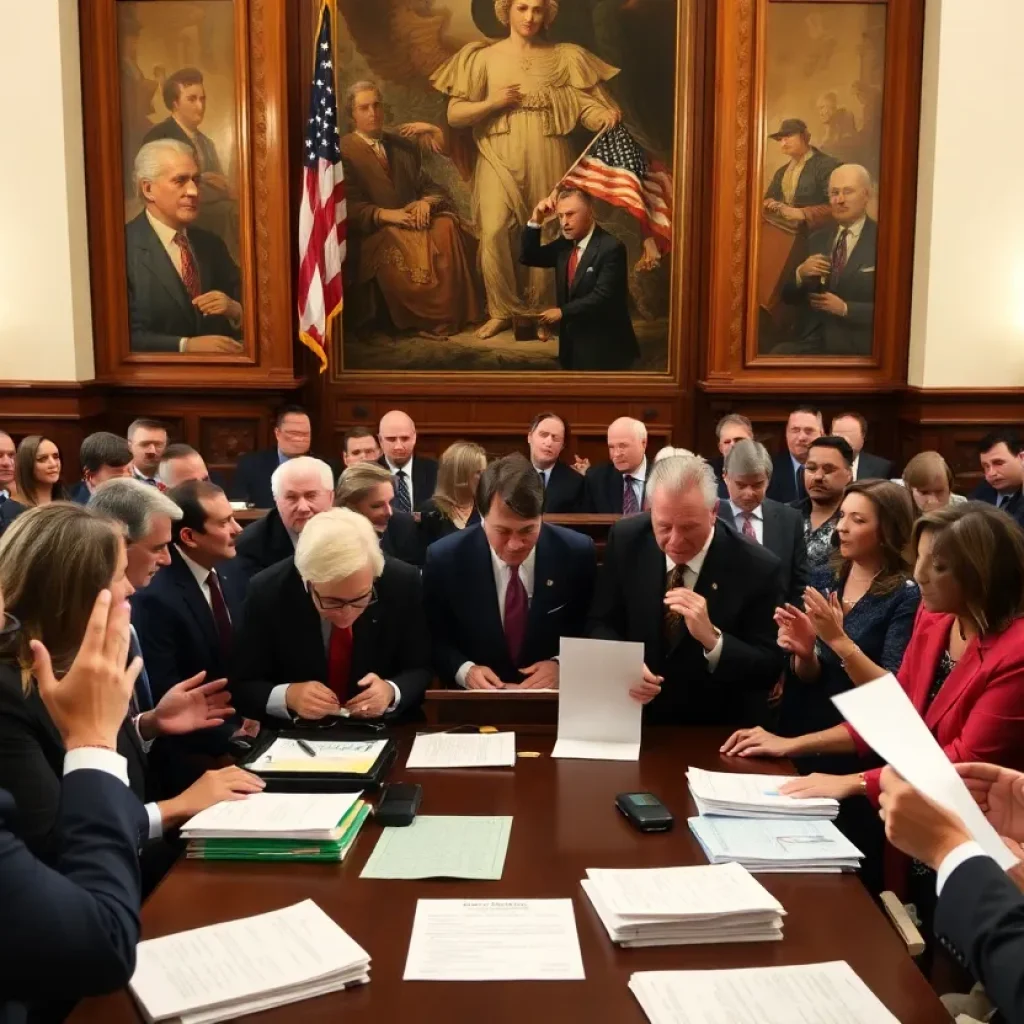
565 821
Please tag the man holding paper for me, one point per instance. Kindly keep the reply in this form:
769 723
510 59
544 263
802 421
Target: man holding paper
500 596
698 596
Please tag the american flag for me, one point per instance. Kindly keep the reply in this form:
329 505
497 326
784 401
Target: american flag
322 213
615 168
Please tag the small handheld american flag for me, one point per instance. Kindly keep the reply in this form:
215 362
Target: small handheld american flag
322 211
615 168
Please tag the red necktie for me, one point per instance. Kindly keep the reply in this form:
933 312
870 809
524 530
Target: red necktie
574 259
221 615
748 526
339 662
189 273
516 607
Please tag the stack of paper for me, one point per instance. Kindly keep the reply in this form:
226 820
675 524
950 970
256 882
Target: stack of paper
737 795
463 750
683 906
776 844
277 826
759 995
229 970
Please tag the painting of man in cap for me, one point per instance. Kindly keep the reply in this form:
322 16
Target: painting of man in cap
798 191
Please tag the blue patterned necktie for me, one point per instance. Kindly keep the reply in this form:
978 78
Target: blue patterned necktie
630 506
403 503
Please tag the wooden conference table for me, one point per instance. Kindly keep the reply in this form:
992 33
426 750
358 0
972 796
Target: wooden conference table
565 821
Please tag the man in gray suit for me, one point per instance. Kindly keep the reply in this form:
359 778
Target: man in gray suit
183 286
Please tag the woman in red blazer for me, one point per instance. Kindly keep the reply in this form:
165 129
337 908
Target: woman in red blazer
964 665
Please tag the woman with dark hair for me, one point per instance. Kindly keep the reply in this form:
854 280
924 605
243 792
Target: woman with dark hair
963 668
859 608
37 472
453 505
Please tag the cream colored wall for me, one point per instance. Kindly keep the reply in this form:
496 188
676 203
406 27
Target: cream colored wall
45 315
967 326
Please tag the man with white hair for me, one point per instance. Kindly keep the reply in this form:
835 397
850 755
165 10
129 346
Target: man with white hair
415 476
337 627
700 598
835 285
618 486
301 487
184 289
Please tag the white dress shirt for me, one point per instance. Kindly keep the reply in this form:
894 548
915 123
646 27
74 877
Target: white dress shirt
98 759
407 470
201 574
953 860
139 475
545 474
502 576
853 233
639 476
691 573
756 520
166 235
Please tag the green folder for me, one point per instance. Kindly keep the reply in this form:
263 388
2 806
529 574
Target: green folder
284 849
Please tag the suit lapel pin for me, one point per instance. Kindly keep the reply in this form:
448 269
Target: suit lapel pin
714 586
550 583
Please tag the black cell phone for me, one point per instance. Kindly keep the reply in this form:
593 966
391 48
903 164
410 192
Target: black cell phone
399 803
645 812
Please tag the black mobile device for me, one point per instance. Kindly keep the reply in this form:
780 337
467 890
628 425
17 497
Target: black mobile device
399 803
645 812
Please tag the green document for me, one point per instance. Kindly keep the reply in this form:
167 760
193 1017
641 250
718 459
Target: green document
440 846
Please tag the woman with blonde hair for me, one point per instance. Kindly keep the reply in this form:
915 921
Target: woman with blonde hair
37 472
453 506
369 489
929 480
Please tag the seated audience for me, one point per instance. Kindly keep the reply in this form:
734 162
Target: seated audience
8 454
369 489
802 427
415 476
292 434
73 929
860 605
179 463
929 480
148 439
563 486
980 912
748 470
339 625
103 456
853 428
301 487
828 473
37 472
729 430
1002 462
359 445
499 597
453 505
61 557
963 668
699 598
618 486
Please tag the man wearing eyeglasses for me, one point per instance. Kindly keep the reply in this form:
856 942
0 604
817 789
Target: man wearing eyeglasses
338 628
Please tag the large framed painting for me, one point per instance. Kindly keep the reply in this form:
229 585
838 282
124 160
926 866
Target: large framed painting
465 123
179 234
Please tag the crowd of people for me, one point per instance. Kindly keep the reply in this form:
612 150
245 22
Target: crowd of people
148 639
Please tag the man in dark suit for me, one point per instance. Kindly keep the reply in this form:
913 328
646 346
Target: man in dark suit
184 289
700 598
787 483
595 331
1002 461
563 486
798 191
835 286
292 436
617 487
730 429
369 489
338 626
415 475
499 596
103 456
359 444
301 488
9 511
8 453
748 468
854 427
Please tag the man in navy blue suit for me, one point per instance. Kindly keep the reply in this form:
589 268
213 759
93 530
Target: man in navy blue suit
499 596
103 456
292 436
1002 461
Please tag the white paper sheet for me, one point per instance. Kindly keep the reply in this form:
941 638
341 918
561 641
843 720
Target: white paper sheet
887 721
463 750
752 796
829 993
272 816
597 718
285 755
494 940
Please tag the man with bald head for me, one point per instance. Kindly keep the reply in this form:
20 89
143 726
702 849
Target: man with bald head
835 285
415 476
618 486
